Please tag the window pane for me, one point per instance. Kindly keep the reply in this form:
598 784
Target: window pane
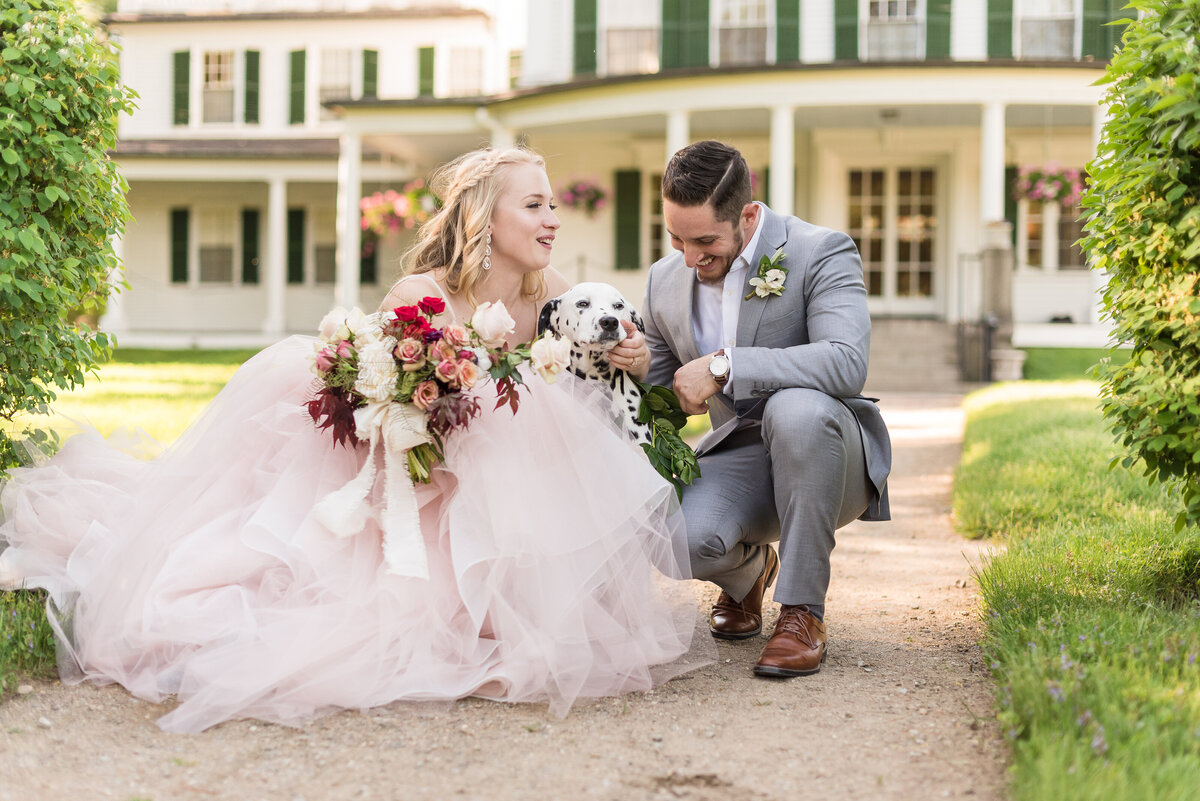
893 40
744 30
325 257
1033 234
217 91
335 78
1070 229
631 51
1047 38
216 264
466 71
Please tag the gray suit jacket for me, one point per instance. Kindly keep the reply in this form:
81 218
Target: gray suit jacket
817 335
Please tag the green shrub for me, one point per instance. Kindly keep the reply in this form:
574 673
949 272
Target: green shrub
1143 228
63 199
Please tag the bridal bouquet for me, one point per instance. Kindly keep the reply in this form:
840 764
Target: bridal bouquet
395 369
397 382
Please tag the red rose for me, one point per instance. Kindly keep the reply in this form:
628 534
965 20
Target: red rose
432 305
406 313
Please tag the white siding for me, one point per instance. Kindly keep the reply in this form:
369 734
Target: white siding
968 30
816 31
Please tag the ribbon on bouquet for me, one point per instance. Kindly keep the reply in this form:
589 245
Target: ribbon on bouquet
397 427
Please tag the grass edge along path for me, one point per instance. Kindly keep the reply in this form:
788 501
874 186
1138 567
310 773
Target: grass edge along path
1092 609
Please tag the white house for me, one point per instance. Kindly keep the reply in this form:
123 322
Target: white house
902 122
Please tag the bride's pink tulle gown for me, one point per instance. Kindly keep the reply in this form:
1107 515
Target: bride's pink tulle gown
203 574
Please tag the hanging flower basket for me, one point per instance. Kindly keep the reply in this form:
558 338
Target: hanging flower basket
583 195
1049 184
386 213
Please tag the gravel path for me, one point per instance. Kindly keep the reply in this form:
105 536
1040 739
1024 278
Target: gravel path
901 710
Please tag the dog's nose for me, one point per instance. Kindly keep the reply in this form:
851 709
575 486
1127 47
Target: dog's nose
609 323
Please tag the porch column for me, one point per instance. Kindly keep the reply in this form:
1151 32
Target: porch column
991 164
782 198
500 136
275 273
114 320
349 219
678 136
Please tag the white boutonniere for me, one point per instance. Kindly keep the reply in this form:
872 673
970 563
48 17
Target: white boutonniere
771 276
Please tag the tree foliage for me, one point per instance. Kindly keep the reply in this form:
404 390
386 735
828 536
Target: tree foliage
1143 228
63 199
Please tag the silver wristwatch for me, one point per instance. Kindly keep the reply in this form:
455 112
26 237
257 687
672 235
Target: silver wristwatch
718 367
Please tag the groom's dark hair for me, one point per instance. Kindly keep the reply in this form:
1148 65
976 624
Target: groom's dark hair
709 172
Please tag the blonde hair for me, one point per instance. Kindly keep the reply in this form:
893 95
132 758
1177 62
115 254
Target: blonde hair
455 238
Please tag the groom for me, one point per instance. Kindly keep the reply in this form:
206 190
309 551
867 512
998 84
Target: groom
795 452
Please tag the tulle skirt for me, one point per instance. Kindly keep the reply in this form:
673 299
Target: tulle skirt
555 553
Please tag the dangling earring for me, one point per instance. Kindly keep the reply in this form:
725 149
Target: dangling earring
487 254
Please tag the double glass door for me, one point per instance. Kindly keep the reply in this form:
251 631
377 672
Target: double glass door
892 217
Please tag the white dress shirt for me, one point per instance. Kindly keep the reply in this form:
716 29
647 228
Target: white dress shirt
715 307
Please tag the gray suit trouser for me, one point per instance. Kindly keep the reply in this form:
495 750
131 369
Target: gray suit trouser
796 478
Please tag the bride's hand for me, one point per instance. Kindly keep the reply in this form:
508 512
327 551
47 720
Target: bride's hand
631 355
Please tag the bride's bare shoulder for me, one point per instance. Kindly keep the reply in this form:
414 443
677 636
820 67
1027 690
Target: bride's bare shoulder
410 289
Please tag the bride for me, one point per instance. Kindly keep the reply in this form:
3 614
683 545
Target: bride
204 574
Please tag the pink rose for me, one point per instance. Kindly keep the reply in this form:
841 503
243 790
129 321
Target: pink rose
468 373
326 358
344 349
447 370
411 354
424 394
455 335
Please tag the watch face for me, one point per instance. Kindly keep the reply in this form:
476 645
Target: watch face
718 366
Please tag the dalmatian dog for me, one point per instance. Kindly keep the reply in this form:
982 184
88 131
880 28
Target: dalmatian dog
589 315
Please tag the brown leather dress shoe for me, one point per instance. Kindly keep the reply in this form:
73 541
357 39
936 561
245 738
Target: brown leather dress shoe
740 620
797 648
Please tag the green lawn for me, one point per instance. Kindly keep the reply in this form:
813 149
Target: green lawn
1066 364
1092 607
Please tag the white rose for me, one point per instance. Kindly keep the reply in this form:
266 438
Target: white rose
377 373
368 330
330 325
549 356
492 323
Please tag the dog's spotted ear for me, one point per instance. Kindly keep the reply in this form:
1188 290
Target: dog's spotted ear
547 312
636 319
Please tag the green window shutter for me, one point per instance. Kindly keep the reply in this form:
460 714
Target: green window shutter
368 263
845 30
627 197
425 71
179 246
295 246
585 37
296 87
937 30
250 218
1010 200
684 33
764 192
787 31
1100 40
183 68
695 33
370 85
250 111
1000 28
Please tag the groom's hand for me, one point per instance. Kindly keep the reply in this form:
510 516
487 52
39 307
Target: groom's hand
694 385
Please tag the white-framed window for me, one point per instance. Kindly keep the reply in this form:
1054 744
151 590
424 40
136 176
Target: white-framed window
1046 29
631 32
895 30
217 236
466 71
743 32
217 88
1047 234
337 77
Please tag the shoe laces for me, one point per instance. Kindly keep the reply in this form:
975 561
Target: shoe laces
794 620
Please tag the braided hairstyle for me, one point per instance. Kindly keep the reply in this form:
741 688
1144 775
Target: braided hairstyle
454 240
